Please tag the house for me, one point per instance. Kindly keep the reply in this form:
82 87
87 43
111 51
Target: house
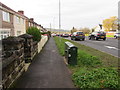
6 21
31 23
14 23
19 22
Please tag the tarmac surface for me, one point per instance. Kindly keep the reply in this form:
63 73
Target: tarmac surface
110 46
48 70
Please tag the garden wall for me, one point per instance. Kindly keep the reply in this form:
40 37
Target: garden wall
42 43
16 53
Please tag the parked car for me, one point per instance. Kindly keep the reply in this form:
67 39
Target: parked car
65 35
117 35
70 35
97 35
57 34
53 35
78 36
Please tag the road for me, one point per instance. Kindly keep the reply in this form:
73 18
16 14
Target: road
109 46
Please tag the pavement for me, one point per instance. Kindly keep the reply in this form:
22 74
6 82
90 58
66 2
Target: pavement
47 70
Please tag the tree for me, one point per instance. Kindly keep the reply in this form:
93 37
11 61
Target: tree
85 30
110 24
73 30
93 29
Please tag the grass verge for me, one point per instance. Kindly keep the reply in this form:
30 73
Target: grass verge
94 68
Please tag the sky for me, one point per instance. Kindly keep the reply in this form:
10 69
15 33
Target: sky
74 13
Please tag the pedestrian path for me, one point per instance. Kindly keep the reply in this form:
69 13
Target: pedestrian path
48 70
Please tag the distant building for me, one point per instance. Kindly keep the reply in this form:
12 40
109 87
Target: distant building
31 23
57 31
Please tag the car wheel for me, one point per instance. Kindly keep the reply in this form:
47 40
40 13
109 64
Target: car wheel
104 39
115 37
96 38
83 39
73 39
89 38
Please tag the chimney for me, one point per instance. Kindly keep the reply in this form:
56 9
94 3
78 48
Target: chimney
32 19
21 12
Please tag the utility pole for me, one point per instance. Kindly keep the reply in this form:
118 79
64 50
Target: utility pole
53 22
59 16
50 27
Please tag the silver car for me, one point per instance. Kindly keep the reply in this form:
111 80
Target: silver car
117 35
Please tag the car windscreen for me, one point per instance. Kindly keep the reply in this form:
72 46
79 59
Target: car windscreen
101 32
79 33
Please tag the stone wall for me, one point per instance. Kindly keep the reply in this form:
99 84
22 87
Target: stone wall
17 52
30 47
13 64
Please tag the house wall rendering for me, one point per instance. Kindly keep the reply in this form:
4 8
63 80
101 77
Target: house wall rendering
19 24
0 18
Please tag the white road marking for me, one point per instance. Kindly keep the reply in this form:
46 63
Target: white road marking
110 47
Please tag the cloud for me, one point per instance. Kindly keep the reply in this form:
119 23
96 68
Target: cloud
79 13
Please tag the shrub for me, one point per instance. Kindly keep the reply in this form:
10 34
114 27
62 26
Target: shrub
35 33
44 33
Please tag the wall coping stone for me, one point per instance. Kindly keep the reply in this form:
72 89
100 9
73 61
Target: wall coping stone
26 36
12 40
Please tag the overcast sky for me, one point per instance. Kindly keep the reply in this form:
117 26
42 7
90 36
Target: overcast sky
77 13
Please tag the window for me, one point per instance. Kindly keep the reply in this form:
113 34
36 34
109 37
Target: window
79 33
4 34
17 19
22 20
1 36
6 16
18 33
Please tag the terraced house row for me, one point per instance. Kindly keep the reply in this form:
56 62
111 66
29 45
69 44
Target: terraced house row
14 23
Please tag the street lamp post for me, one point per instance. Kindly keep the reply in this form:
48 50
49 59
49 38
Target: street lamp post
59 17
50 27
